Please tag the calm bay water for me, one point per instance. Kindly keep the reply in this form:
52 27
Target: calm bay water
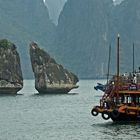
30 116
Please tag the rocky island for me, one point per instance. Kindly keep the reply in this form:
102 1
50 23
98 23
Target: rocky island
11 80
50 77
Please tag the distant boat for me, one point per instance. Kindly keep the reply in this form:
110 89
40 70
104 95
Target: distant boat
121 99
100 87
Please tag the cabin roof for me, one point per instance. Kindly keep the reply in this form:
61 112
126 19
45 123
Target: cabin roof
129 92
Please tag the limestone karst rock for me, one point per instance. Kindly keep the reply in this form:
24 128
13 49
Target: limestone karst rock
50 77
11 80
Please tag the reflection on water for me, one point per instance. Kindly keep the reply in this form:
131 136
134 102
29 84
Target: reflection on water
54 94
118 130
127 131
10 95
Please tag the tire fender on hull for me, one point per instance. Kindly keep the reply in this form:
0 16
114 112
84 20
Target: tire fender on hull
94 112
105 115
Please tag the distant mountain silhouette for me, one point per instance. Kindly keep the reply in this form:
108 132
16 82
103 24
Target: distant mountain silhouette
82 37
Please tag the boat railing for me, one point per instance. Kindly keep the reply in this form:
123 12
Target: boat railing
111 96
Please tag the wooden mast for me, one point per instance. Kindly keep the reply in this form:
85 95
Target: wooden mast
109 63
118 55
118 65
133 59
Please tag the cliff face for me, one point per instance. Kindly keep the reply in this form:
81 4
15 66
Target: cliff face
11 80
82 36
50 77
87 28
30 16
126 20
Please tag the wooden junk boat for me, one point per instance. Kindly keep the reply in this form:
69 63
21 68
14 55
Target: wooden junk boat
121 99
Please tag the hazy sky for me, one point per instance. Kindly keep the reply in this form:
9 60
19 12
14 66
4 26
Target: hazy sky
56 6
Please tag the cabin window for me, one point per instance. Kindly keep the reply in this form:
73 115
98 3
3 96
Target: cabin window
125 99
129 99
139 99
115 99
120 99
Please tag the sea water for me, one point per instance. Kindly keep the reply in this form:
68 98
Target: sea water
30 116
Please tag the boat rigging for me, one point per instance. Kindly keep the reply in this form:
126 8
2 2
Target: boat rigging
121 99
